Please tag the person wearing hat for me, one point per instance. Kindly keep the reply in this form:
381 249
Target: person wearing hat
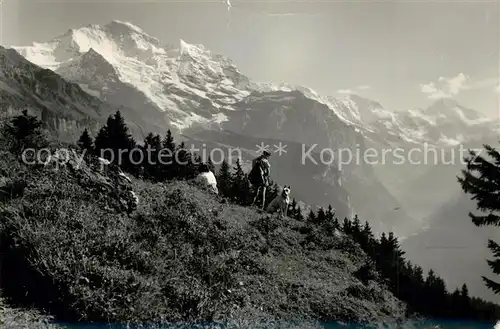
259 175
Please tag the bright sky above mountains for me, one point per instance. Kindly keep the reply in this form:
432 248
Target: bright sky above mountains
403 54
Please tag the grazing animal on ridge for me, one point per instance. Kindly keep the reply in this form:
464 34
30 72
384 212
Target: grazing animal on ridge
280 202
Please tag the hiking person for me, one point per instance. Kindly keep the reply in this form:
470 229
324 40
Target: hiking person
259 175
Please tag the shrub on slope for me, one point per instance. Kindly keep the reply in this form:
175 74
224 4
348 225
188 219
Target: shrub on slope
182 256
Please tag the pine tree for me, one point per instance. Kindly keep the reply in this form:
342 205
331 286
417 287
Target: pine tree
485 188
464 292
298 214
311 217
465 306
436 294
115 137
418 274
331 222
321 216
346 226
85 142
455 304
366 238
119 133
151 163
166 158
224 179
197 161
240 189
330 217
153 141
396 260
292 209
169 142
380 251
356 227
181 160
210 164
102 141
24 131
192 169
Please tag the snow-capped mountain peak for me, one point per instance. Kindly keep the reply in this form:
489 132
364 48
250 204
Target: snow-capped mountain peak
450 108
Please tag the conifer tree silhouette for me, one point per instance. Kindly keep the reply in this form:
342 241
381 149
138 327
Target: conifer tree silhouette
481 179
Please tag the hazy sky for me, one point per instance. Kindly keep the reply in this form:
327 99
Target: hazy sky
400 53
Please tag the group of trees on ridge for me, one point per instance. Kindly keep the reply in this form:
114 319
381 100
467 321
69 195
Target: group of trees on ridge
424 294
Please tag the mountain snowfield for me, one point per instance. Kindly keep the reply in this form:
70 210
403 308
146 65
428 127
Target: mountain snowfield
189 85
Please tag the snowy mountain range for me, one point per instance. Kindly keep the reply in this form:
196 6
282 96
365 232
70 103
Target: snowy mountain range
198 93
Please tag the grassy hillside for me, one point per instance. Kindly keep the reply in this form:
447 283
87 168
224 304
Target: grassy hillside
69 249
11 318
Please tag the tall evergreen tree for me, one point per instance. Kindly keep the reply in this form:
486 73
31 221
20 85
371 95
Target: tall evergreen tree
346 226
418 273
119 133
311 217
298 214
481 179
85 142
169 142
321 216
366 239
292 209
102 141
455 303
356 227
194 161
115 137
330 217
151 163
24 131
396 260
210 164
224 179
182 160
437 294
465 306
